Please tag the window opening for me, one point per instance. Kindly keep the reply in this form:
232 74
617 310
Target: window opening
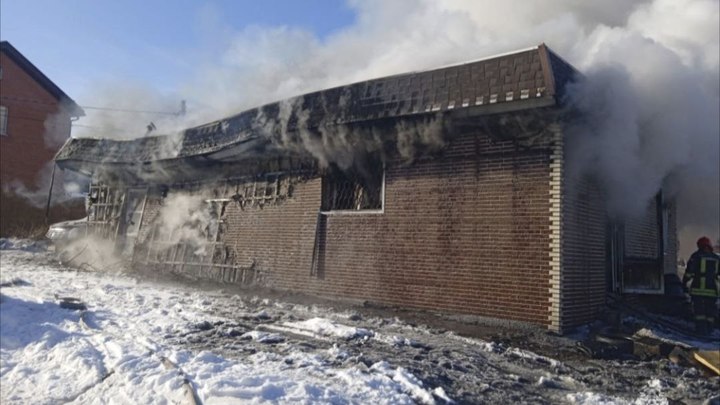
104 207
261 191
353 191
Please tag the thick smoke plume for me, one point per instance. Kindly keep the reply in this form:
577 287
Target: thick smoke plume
184 218
347 146
650 94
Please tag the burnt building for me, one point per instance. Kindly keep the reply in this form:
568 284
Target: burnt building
444 190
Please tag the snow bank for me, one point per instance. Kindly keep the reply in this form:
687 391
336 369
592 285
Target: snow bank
47 355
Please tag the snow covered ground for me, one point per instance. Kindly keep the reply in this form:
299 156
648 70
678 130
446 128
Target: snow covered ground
151 342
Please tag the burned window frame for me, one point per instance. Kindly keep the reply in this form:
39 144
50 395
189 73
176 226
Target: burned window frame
217 226
334 176
262 190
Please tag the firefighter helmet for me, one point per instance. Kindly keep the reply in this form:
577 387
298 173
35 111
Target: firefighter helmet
704 242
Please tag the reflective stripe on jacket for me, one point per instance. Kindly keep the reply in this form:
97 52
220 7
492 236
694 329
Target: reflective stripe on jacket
703 269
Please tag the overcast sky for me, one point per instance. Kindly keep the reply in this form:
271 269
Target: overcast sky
80 43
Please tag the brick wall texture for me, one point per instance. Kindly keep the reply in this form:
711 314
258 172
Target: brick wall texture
463 232
25 156
485 228
584 250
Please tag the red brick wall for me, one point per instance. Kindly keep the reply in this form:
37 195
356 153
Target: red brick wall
485 228
584 246
584 251
465 232
277 238
24 152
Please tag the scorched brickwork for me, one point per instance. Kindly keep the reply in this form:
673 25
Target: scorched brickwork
447 190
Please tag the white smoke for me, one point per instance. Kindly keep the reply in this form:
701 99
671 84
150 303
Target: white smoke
58 126
133 111
651 66
650 120
67 186
92 253
184 218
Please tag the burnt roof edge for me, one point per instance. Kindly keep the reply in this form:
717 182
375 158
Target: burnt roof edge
551 97
547 69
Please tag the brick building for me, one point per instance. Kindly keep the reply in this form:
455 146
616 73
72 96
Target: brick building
35 120
444 190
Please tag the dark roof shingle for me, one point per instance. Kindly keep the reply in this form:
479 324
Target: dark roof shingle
511 78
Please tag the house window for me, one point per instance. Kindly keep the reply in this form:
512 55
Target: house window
3 120
354 192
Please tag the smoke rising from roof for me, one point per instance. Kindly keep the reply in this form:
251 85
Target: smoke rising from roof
651 90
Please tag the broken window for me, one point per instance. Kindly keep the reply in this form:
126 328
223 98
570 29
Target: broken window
644 259
217 221
104 207
132 219
261 191
353 190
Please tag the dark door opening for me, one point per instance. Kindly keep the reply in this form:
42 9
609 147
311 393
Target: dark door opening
635 252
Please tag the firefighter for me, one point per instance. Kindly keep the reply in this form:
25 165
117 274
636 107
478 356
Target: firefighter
703 273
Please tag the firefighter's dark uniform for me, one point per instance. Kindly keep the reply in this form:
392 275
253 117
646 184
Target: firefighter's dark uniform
703 269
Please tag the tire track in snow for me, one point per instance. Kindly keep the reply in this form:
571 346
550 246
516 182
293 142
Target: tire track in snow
189 392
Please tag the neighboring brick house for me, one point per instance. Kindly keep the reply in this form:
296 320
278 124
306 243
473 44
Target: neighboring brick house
35 120
443 190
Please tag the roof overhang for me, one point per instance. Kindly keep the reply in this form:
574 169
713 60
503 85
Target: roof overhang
481 93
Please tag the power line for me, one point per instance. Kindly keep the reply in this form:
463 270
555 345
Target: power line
49 125
123 110
90 107
88 126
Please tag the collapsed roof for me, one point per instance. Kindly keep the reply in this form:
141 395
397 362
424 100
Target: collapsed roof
523 80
